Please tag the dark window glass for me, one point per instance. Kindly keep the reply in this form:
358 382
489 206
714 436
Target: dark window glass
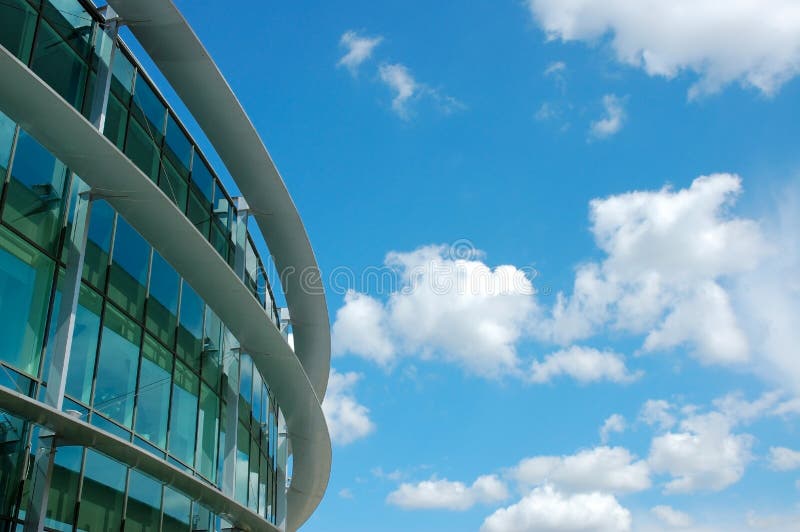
26 278
245 387
64 488
116 121
71 22
173 185
116 369
142 150
208 430
17 24
128 277
212 348
102 494
203 178
177 509
183 417
98 244
147 107
122 77
36 193
12 441
7 128
257 404
152 405
219 238
177 146
199 212
162 307
144 504
190 330
242 464
57 63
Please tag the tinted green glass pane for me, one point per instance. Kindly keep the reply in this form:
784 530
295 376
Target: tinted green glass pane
212 349
127 284
142 150
71 22
199 212
26 278
144 503
12 441
208 430
219 239
177 509
173 185
64 488
116 369
116 121
147 107
183 419
17 25
263 480
7 129
252 484
177 146
245 387
35 198
190 330
257 385
202 177
242 464
162 306
57 63
103 493
98 244
122 71
155 380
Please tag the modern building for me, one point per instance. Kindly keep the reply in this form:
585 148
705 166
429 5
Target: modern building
148 378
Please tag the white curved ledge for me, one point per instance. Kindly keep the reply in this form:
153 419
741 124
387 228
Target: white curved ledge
27 100
172 44
72 431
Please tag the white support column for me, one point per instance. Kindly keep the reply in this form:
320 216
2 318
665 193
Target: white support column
240 259
42 471
282 457
231 367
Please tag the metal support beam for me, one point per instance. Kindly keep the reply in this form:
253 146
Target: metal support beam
282 457
240 259
231 369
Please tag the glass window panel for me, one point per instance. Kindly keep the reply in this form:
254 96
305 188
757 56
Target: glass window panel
242 464
263 480
173 185
177 509
190 331
152 407
57 63
148 108
143 512
72 22
12 441
212 348
183 420
36 193
129 265
199 212
252 498
7 128
258 383
142 150
208 430
202 177
245 387
219 239
116 121
17 25
122 71
116 369
162 307
98 244
103 493
177 146
26 278
64 488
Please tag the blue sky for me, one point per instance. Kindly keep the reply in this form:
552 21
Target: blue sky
616 185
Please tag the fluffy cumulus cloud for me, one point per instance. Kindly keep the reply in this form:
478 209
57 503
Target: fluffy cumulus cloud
602 469
613 423
448 495
358 48
671 517
752 42
547 510
613 119
348 420
448 307
657 412
783 459
584 364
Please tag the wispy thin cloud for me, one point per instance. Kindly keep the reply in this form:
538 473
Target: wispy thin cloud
359 49
613 120
406 89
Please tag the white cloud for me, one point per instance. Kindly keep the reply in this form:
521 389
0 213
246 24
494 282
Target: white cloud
613 120
703 456
456 309
584 364
448 495
547 510
348 420
671 517
359 49
614 423
740 410
406 89
602 469
752 42
784 459
346 493
657 412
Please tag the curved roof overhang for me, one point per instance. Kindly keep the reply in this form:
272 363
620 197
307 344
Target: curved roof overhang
173 46
29 101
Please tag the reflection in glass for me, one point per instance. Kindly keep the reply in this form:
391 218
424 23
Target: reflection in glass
190 332
64 488
102 494
17 24
162 306
152 408
116 369
128 277
144 503
183 418
57 63
208 428
98 244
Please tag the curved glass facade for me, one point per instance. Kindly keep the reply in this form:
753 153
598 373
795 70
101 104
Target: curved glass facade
149 362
